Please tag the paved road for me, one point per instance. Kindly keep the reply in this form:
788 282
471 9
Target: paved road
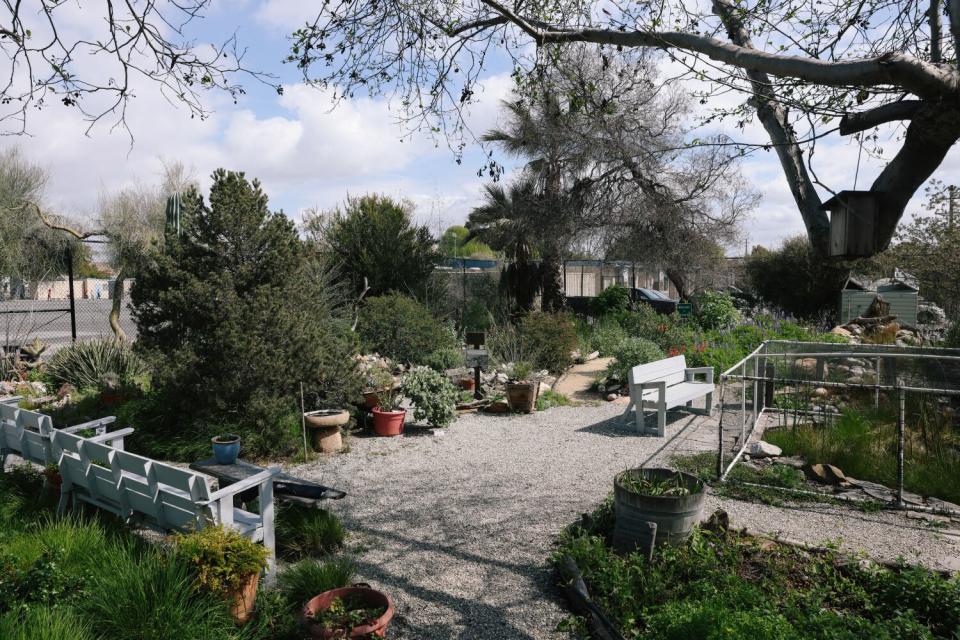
49 320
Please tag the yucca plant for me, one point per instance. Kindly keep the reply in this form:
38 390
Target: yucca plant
86 364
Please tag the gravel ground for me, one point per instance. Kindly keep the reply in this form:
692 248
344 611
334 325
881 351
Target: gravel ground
458 526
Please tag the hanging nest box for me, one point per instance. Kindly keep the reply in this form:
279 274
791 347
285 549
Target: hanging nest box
853 221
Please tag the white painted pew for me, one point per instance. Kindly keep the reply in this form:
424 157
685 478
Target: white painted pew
160 494
665 384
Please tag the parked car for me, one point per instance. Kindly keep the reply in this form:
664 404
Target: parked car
660 302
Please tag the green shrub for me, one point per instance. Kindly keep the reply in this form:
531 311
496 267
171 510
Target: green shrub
606 336
308 532
716 310
445 358
549 339
151 596
630 353
952 339
234 314
402 329
550 398
85 364
222 558
505 344
613 299
645 322
309 578
433 395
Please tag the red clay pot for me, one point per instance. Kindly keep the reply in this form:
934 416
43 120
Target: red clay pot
371 597
388 423
242 599
467 384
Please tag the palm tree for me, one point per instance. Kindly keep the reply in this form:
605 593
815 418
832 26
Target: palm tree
537 134
506 221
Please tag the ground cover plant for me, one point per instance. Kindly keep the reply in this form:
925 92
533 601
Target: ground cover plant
724 584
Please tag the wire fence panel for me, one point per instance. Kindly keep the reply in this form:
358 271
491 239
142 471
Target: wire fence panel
886 414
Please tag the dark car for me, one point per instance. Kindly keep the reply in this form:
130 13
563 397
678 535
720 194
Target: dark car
659 301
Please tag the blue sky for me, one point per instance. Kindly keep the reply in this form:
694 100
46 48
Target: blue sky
307 155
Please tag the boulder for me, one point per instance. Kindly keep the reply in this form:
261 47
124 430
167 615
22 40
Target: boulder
929 313
612 396
825 474
498 407
762 449
821 392
842 331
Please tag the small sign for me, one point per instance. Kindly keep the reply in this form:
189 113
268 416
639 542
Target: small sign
685 309
476 339
477 357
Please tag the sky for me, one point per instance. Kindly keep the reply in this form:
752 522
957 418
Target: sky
307 154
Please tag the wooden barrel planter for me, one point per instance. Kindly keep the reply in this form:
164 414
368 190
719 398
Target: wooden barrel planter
666 512
522 396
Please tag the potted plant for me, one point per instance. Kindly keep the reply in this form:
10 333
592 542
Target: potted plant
226 448
379 382
673 500
348 612
388 417
433 396
522 388
227 564
325 425
54 480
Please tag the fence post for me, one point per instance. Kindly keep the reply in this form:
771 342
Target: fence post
73 302
901 418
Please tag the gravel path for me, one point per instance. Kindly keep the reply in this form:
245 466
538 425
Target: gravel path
458 526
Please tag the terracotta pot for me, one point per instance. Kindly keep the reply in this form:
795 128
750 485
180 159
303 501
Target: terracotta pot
242 599
522 396
371 597
112 398
467 384
325 427
371 397
388 423
54 480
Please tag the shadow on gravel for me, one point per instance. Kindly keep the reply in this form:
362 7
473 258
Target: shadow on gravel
616 427
481 621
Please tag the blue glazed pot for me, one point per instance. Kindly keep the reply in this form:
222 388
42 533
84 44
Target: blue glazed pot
226 448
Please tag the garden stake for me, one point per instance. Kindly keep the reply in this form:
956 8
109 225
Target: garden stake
303 423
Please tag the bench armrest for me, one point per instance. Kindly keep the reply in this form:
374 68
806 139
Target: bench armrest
659 385
692 372
99 425
247 483
113 438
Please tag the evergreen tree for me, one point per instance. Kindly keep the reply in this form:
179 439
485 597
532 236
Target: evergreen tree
235 315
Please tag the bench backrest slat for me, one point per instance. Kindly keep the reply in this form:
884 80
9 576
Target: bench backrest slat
27 433
670 370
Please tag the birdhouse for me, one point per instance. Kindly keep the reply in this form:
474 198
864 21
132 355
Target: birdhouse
853 217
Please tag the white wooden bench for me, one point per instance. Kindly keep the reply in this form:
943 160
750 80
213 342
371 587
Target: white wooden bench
28 434
160 494
665 384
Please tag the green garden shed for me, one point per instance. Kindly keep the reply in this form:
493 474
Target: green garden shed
900 292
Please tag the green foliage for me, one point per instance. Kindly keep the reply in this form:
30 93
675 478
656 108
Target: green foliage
309 578
308 532
952 339
630 353
550 398
402 329
606 336
732 586
374 238
222 558
863 445
86 364
454 244
234 315
796 279
716 310
433 395
44 623
615 299
445 358
549 339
